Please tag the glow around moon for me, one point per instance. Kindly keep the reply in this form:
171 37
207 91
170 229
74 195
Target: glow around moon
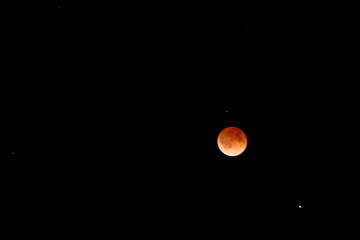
232 141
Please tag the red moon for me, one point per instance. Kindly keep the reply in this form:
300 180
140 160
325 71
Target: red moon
232 141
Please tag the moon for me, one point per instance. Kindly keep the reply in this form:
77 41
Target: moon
232 141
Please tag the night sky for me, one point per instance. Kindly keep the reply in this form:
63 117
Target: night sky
115 111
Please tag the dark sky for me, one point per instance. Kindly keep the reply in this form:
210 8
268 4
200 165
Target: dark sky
116 110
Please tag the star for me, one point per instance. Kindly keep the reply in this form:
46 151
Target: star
299 206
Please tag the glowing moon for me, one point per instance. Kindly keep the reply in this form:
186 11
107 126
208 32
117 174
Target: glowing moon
232 141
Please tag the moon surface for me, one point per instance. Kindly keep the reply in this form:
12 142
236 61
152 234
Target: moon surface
232 141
